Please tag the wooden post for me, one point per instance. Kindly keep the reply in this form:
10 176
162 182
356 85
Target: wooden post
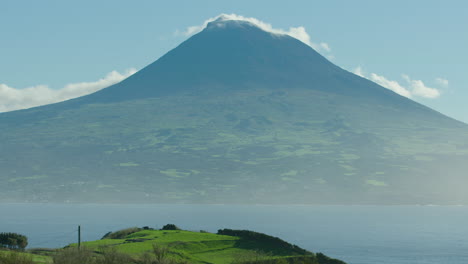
79 237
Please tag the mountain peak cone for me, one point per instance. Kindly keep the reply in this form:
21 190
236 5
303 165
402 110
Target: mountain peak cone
230 54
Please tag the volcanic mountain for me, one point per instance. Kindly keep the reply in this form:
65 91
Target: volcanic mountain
236 114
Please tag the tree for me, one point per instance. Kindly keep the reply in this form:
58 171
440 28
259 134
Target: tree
170 227
13 241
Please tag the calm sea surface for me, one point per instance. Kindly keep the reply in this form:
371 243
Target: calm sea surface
356 234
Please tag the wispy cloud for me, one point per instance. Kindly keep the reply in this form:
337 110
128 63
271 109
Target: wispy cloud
442 82
359 71
14 99
413 88
390 84
299 33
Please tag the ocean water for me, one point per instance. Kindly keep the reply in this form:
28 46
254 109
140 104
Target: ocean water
355 234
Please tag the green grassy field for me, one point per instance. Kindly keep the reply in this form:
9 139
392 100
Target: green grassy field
182 246
195 247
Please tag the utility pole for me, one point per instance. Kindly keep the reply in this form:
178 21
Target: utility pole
79 237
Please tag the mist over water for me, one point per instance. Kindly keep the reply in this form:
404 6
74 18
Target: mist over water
356 234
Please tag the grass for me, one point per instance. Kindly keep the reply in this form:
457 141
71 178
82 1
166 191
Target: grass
12 257
194 247
179 246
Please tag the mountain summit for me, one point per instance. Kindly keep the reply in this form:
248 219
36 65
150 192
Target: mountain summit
235 114
236 55
228 54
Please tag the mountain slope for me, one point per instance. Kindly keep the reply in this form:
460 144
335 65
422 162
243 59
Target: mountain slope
235 114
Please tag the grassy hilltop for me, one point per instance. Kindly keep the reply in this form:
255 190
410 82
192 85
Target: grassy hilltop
148 246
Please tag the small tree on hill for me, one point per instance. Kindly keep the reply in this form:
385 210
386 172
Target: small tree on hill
170 227
13 241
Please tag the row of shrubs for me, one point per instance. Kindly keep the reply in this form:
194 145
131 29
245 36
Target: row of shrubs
121 234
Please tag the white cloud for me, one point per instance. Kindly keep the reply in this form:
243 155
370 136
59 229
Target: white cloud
14 99
442 82
420 89
295 32
392 85
414 87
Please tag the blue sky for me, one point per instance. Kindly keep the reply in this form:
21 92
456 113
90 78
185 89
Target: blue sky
51 45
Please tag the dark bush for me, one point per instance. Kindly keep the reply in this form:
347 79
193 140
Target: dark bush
170 227
264 239
106 235
121 234
13 241
322 259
